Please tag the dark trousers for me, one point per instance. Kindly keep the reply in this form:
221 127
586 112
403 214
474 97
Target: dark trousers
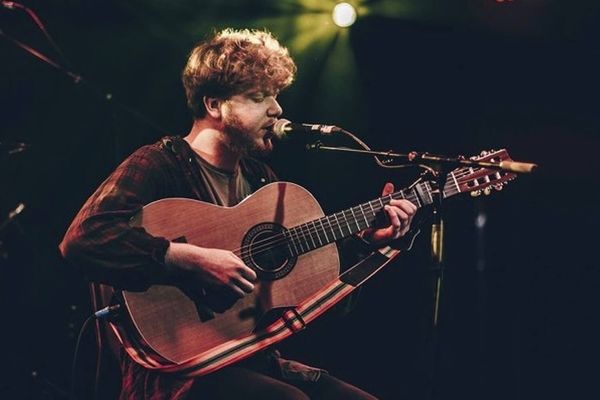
243 383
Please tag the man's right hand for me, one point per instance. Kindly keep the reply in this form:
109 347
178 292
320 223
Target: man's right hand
215 268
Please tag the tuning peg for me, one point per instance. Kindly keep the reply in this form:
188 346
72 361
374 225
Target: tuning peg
483 153
499 186
487 190
476 193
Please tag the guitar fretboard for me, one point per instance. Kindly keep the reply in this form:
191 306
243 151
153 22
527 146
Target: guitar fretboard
320 232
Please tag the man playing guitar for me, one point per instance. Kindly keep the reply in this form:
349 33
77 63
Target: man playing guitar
231 81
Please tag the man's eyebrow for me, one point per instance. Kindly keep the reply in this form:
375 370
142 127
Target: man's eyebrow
263 92
254 92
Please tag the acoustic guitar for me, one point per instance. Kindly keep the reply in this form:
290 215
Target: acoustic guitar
282 233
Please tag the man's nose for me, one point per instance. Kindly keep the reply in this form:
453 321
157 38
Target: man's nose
275 109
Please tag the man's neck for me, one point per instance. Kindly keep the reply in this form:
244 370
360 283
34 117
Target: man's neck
209 143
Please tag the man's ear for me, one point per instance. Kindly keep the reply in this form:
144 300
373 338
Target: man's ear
213 106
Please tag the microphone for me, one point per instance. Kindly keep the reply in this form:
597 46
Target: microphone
515 166
283 126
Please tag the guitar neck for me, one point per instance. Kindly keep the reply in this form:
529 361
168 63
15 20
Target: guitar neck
323 231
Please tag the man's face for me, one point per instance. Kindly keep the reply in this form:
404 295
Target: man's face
247 119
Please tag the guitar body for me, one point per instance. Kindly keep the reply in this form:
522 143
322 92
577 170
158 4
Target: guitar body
171 325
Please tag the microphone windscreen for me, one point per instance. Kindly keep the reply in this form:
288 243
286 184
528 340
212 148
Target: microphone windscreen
279 126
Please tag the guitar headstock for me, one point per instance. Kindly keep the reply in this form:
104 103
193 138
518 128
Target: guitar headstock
477 180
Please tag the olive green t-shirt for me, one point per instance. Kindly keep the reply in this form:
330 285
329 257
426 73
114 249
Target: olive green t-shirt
228 188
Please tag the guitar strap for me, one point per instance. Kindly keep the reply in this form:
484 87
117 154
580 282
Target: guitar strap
292 320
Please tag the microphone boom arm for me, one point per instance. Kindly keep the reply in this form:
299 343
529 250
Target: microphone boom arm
416 158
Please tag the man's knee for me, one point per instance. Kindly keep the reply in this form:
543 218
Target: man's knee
285 392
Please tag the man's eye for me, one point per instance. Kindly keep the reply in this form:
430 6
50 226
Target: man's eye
258 98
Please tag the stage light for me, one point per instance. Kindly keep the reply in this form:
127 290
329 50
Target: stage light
344 15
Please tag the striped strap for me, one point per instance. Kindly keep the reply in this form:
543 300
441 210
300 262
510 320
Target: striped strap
291 321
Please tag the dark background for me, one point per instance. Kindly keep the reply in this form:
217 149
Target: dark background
519 315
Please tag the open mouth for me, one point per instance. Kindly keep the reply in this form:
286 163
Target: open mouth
268 132
268 135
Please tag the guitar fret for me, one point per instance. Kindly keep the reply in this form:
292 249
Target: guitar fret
300 238
324 230
429 191
372 209
354 218
391 197
421 190
331 228
364 217
339 225
347 222
290 240
317 232
308 234
416 198
294 237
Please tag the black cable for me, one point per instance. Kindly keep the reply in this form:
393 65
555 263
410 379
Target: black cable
72 395
103 313
98 359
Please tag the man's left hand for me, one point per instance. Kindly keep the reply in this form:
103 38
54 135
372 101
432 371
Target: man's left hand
399 213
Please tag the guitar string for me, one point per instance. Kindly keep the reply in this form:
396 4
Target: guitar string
300 233
316 230
269 243
305 234
273 241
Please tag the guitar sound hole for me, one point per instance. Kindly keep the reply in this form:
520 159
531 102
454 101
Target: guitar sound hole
268 253
265 249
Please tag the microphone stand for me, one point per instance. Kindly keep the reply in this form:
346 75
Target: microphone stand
437 267
439 167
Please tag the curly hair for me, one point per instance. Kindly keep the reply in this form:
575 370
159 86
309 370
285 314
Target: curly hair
232 62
